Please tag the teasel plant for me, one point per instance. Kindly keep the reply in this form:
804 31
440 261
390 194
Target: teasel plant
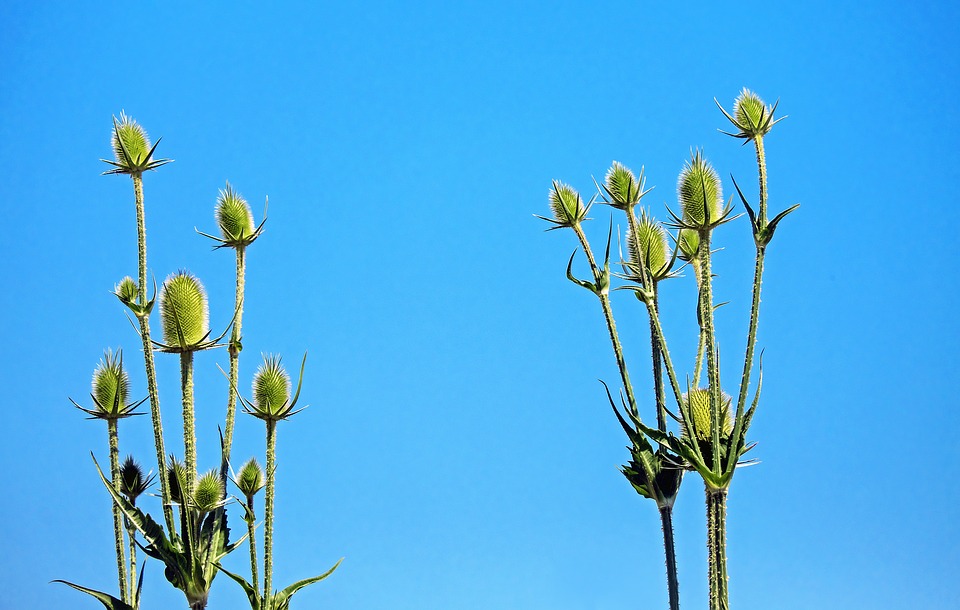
132 156
272 404
712 437
110 391
237 231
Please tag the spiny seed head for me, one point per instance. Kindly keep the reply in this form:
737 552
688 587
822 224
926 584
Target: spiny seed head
208 492
234 216
271 387
176 472
749 110
126 290
649 245
566 205
111 385
700 192
623 186
133 482
698 401
183 311
688 244
134 139
250 478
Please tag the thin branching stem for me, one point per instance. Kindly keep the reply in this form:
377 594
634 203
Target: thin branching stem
117 516
148 361
268 508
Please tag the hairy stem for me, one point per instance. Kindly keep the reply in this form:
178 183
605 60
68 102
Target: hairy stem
117 516
717 548
234 357
713 369
131 538
762 171
673 586
268 508
189 421
658 390
252 539
148 362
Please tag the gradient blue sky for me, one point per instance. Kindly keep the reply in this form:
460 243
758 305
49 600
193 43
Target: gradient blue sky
458 451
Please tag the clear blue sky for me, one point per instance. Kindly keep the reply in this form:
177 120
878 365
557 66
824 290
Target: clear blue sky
458 450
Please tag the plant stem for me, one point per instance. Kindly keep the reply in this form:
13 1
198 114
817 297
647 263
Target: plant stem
131 538
117 517
762 171
673 586
658 390
189 426
268 509
611 323
717 547
148 353
252 538
234 358
713 370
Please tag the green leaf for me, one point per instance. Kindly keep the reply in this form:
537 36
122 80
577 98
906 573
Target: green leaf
252 595
281 600
109 602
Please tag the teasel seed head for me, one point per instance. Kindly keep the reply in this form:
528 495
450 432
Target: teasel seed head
132 152
751 116
176 475
566 205
250 479
209 492
133 482
111 386
649 245
234 217
700 193
183 312
624 188
271 386
698 402
126 290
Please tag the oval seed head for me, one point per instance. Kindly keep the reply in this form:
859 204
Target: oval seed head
176 472
209 492
566 205
234 216
700 192
183 311
753 117
271 387
126 290
689 245
134 139
623 186
250 478
698 402
649 244
132 480
111 385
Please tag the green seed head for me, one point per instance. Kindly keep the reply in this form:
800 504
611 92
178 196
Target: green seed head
623 186
126 290
234 216
176 472
700 192
183 311
649 244
566 205
688 244
110 386
133 482
698 401
750 111
209 492
271 387
250 478
134 139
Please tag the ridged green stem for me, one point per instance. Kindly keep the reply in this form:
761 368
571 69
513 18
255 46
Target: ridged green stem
117 516
713 369
234 357
611 323
268 509
717 548
132 541
673 586
658 389
252 539
148 353
762 170
189 421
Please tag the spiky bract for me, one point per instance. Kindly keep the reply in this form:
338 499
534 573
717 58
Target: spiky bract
111 386
698 403
234 217
250 479
648 245
133 482
183 312
625 189
271 388
566 205
208 493
700 192
688 245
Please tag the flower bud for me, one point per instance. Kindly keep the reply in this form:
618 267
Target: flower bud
126 290
111 385
568 209
700 192
624 188
208 492
234 217
133 138
250 478
698 402
271 388
649 246
132 480
176 474
183 311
